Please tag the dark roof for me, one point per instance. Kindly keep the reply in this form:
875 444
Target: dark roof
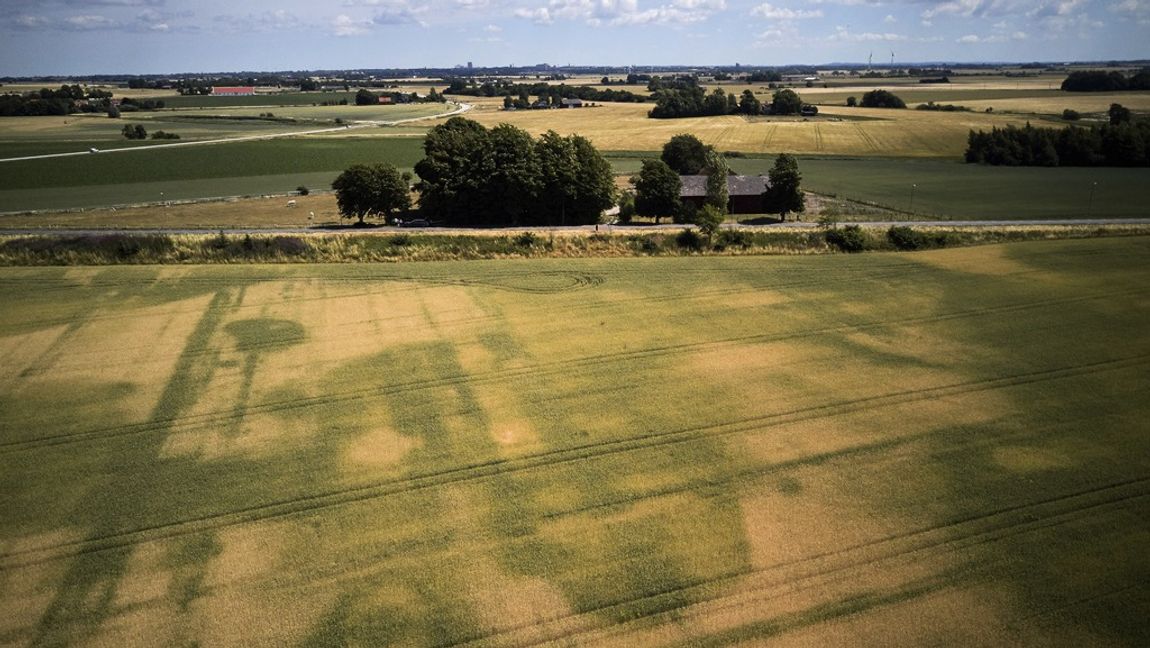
737 185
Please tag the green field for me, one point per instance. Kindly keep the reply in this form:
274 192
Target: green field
280 99
945 189
241 168
892 449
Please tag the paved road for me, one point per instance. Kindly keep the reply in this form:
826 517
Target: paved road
462 108
560 230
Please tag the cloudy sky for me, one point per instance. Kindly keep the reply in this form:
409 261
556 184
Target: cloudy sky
166 36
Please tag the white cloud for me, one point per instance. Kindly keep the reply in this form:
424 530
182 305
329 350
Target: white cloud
621 12
844 35
539 16
890 19
344 25
969 39
493 29
769 11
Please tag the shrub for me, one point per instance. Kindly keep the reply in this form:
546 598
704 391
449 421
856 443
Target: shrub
302 190
881 99
1071 115
288 245
905 238
526 239
626 207
848 239
689 239
852 102
736 238
400 240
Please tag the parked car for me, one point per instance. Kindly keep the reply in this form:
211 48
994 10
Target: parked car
415 222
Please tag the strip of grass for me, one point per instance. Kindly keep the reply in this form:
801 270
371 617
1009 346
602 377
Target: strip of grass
125 248
282 99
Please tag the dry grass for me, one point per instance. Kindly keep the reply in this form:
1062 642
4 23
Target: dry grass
836 131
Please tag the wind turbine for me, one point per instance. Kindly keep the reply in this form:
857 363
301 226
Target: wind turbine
892 59
868 59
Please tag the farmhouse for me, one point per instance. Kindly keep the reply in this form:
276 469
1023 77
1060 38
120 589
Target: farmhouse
386 99
745 192
572 103
233 91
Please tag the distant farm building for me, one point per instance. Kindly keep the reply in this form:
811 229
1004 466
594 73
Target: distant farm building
745 192
386 99
233 91
571 103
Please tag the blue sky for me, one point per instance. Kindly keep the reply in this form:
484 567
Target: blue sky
167 36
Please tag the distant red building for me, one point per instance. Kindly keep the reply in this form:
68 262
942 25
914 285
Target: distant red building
386 99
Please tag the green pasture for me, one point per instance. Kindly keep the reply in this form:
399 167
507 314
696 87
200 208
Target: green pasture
277 99
945 189
238 168
921 448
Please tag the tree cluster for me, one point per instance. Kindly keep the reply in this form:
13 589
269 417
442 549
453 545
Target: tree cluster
128 104
930 105
881 99
694 102
472 176
134 132
65 101
371 190
1102 81
1121 144
553 94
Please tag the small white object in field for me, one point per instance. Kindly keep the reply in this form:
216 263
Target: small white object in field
291 203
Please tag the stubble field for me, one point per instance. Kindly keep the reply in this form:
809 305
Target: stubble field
942 447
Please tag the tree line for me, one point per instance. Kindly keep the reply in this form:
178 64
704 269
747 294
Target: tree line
65 101
1103 81
1122 142
552 93
692 101
473 176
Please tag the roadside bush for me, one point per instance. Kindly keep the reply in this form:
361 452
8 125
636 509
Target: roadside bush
1071 115
852 102
689 239
302 190
735 238
847 239
288 245
526 239
626 208
905 238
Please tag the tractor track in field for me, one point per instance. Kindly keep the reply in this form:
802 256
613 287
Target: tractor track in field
531 371
417 283
755 586
310 503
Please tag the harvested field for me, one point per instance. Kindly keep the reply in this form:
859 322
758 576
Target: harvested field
893 449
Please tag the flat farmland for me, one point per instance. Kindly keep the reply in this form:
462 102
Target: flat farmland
890 449
837 130
240 168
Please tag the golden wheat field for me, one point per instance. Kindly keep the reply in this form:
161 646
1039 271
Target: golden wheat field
943 447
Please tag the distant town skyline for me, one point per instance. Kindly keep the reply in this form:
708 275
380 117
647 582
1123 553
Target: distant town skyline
78 37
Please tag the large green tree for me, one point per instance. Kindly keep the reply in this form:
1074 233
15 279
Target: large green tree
786 102
456 155
577 181
749 104
685 154
657 189
717 172
375 189
784 194
472 176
